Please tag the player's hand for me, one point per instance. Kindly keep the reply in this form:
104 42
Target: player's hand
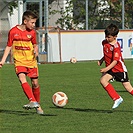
36 54
99 63
1 65
103 70
36 50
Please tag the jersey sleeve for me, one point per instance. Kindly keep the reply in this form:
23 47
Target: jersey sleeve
10 38
34 41
104 42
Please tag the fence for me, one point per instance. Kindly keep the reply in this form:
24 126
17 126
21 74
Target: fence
84 45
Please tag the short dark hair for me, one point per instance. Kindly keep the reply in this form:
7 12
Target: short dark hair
28 15
111 30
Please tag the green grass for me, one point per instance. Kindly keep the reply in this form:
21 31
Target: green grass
88 109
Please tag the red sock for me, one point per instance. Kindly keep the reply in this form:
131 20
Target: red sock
36 93
28 91
111 91
131 92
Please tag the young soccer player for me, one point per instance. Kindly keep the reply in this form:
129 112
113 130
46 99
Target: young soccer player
22 40
115 67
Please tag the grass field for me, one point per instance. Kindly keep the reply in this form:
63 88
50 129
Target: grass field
88 109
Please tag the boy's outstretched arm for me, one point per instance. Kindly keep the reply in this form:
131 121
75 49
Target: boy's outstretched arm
100 61
103 70
6 52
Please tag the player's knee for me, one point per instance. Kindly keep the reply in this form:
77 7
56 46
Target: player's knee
35 85
102 81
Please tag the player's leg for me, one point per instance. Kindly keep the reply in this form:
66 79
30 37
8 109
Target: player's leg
128 87
110 89
104 80
28 92
33 74
35 89
21 73
36 93
123 77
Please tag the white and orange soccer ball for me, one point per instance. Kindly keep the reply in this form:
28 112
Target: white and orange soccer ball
73 60
60 99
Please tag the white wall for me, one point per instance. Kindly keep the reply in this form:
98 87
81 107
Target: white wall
16 17
84 45
13 19
4 28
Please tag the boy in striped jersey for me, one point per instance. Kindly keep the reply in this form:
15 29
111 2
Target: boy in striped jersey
22 40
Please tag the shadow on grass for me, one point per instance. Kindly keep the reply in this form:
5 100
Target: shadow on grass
122 91
93 110
23 113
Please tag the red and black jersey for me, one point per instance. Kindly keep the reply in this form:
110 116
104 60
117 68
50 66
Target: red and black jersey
113 52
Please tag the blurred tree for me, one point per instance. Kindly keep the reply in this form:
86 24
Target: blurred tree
101 13
116 12
12 4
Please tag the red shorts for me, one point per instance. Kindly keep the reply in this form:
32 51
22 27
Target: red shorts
30 72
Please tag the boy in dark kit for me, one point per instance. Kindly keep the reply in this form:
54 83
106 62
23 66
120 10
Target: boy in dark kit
115 67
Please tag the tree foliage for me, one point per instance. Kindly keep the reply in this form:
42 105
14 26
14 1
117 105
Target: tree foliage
11 5
101 13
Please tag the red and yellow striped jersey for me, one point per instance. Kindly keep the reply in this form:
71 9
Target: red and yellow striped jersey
22 43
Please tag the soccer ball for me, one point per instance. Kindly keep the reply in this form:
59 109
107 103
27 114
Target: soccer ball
60 99
73 60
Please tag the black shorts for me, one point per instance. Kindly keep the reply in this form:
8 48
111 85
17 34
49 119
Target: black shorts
119 76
